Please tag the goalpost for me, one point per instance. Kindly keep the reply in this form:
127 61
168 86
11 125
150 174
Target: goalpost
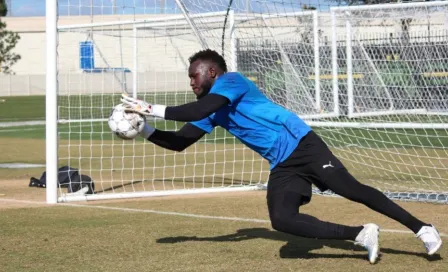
413 19
371 80
398 105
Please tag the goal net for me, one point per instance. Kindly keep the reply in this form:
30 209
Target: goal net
371 81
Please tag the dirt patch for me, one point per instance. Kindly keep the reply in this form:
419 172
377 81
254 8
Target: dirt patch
17 189
12 204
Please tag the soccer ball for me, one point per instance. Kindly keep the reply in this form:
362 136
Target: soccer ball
125 124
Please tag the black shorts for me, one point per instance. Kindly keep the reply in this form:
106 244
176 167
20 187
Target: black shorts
311 162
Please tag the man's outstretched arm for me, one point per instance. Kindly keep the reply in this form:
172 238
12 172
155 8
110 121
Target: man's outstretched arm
189 112
173 140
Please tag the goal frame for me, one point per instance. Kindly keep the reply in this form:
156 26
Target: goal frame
350 95
51 103
183 20
52 119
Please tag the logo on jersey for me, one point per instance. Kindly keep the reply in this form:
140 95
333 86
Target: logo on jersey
327 165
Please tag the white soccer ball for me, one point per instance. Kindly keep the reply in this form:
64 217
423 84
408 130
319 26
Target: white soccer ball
125 124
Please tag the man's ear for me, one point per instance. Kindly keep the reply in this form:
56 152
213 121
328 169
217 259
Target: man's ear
212 72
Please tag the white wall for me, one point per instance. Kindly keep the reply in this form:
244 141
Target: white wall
161 62
162 54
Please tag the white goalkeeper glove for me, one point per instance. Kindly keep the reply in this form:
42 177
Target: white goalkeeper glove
143 128
142 107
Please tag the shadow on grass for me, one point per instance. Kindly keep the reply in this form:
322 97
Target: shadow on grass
295 247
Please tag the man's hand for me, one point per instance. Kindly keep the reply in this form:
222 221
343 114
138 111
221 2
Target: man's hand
136 105
141 107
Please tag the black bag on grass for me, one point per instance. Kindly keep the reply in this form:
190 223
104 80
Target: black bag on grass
69 178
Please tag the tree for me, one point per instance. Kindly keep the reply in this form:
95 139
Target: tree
308 7
3 8
8 41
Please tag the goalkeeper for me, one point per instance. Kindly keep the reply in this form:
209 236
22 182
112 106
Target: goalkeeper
298 157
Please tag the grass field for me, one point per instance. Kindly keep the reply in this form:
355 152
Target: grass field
223 232
91 145
29 108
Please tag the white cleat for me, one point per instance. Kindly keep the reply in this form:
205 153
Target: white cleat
431 239
369 239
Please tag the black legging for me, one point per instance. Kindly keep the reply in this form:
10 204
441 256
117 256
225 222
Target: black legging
283 210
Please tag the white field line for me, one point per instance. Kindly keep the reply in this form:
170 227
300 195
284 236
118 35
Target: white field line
235 219
21 123
34 128
40 125
21 129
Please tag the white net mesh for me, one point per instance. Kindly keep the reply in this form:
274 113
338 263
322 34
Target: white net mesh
148 57
372 81
397 91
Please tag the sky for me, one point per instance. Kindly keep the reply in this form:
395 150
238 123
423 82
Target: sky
83 7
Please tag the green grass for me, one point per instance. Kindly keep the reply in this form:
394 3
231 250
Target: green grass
88 238
22 108
386 138
400 138
31 108
99 131
26 108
